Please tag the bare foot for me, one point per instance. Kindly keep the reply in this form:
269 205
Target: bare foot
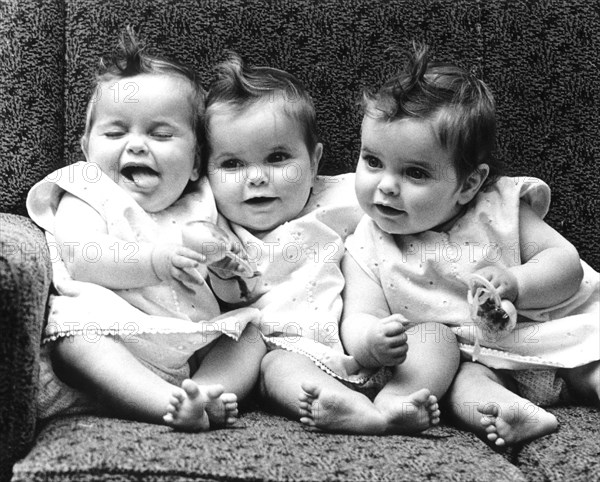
513 424
190 407
411 413
224 411
347 411
343 411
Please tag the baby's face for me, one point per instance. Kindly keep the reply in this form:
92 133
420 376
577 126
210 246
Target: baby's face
259 168
142 137
405 181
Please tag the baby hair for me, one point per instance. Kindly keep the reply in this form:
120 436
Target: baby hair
132 59
237 86
460 106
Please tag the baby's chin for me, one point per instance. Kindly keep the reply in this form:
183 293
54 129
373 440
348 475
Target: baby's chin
149 203
258 230
389 227
397 228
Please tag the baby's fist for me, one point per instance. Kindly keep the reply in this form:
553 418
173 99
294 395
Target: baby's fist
172 262
388 341
503 280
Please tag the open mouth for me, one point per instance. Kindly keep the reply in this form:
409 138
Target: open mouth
141 176
388 210
259 201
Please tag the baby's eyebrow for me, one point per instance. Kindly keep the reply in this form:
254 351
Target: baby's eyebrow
420 163
281 147
112 122
162 124
226 155
367 150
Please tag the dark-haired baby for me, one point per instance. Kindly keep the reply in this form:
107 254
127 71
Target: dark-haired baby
438 211
141 291
263 153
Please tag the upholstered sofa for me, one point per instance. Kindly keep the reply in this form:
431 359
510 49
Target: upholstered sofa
541 59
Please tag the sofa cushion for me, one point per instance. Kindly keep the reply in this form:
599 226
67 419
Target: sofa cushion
25 276
572 453
261 447
539 58
32 60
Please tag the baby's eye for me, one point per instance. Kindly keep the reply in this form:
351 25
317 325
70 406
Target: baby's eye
231 164
416 173
114 134
372 162
162 135
276 157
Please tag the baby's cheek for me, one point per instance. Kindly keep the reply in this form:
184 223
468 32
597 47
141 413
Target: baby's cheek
426 206
364 191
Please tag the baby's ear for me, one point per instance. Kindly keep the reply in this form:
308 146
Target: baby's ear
195 175
316 158
472 184
83 142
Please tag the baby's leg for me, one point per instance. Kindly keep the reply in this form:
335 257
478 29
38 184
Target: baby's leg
584 381
296 387
235 365
105 368
507 418
409 400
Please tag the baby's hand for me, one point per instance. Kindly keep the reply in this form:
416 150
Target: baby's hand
208 239
387 341
225 258
503 280
173 262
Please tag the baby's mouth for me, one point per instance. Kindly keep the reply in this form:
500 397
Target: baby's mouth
141 176
388 210
258 201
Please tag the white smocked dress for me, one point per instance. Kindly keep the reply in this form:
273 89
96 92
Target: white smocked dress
162 325
299 290
422 278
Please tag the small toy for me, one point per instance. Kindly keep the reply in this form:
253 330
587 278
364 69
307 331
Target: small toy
495 317
224 257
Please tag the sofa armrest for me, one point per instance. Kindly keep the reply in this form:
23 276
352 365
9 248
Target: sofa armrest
25 276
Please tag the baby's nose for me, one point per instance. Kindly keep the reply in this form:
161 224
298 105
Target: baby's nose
389 185
257 175
136 144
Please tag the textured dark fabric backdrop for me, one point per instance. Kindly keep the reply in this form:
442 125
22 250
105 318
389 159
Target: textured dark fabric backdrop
541 64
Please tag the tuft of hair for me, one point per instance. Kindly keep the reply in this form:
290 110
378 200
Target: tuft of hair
460 106
131 59
237 86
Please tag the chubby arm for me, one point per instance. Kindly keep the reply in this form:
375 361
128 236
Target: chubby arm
93 255
550 272
369 332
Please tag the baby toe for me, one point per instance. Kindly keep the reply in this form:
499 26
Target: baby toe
177 396
228 398
308 421
485 421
